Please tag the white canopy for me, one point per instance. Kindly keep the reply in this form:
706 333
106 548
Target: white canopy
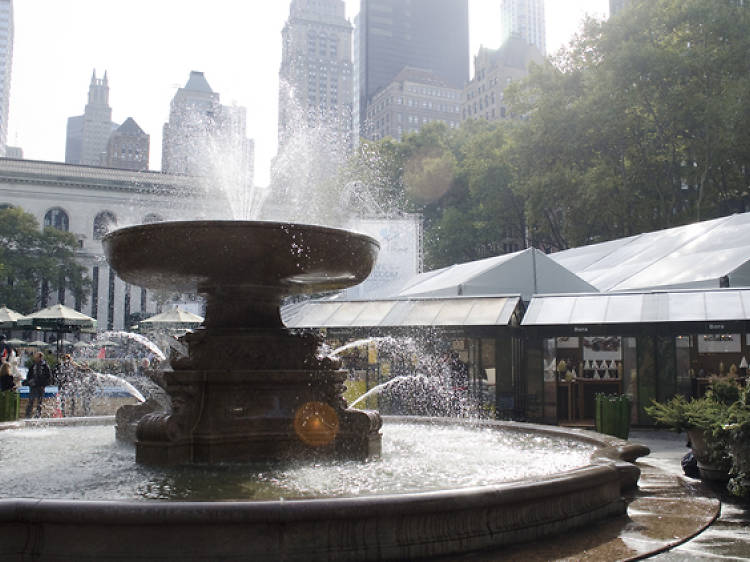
720 305
693 256
466 311
526 273
174 317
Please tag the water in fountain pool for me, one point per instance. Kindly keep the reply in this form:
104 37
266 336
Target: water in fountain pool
87 463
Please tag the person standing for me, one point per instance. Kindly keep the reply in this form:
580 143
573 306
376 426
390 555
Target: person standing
6 379
5 350
67 385
38 377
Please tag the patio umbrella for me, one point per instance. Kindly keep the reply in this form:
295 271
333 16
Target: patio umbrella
15 342
58 318
9 318
81 345
37 343
174 318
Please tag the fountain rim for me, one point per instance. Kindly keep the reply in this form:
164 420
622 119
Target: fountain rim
231 223
611 455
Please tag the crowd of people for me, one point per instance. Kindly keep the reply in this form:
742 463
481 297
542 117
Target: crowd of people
75 381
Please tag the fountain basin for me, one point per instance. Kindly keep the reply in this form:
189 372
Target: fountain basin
402 526
248 389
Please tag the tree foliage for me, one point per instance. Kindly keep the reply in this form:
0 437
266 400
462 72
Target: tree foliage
641 123
34 262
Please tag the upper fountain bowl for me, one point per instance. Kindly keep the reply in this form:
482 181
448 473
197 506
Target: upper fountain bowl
200 256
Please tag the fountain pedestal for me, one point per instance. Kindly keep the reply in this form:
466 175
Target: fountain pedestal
252 396
248 389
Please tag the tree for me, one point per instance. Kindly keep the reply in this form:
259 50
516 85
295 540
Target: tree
34 262
641 124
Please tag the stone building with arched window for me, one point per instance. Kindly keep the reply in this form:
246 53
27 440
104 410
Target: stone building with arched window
89 201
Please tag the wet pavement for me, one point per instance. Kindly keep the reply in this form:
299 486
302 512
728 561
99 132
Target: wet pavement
670 517
727 538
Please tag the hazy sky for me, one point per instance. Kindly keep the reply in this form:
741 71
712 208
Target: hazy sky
149 48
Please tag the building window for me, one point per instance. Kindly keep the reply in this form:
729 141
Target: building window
57 218
103 223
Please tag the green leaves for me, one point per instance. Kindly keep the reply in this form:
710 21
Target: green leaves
31 259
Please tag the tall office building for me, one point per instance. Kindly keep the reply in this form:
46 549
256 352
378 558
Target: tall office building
88 134
6 62
494 69
203 137
390 35
315 78
524 18
128 148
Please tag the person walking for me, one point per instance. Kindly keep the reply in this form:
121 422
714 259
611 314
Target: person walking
38 377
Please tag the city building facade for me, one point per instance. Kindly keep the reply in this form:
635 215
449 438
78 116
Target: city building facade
204 138
128 147
494 70
524 18
88 134
88 202
414 98
316 73
6 65
393 34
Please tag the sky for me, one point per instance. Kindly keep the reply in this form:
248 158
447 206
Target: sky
149 47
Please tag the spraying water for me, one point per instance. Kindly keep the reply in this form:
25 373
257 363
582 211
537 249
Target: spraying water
118 381
137 338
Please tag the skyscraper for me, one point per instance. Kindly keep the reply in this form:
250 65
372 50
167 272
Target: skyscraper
524 18
203 136
315 78
88 134
128 147
392 34
6 62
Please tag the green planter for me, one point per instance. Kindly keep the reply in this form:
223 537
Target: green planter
9 401
613 415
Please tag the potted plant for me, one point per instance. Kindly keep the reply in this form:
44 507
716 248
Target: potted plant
702 419
736 435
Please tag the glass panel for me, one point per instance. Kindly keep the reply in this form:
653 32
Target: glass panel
422 313
315 315
550 379
624 308
453 313
646 378
724 305
374 313
630 374
686 306
719 343
589 310
489 312
346 314
682 365
666 378
553 310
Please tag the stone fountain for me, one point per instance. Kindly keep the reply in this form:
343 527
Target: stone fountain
248 389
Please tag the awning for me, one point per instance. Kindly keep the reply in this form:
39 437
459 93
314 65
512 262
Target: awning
468 311
721 305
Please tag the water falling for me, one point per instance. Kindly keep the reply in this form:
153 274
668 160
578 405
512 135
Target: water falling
137 338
